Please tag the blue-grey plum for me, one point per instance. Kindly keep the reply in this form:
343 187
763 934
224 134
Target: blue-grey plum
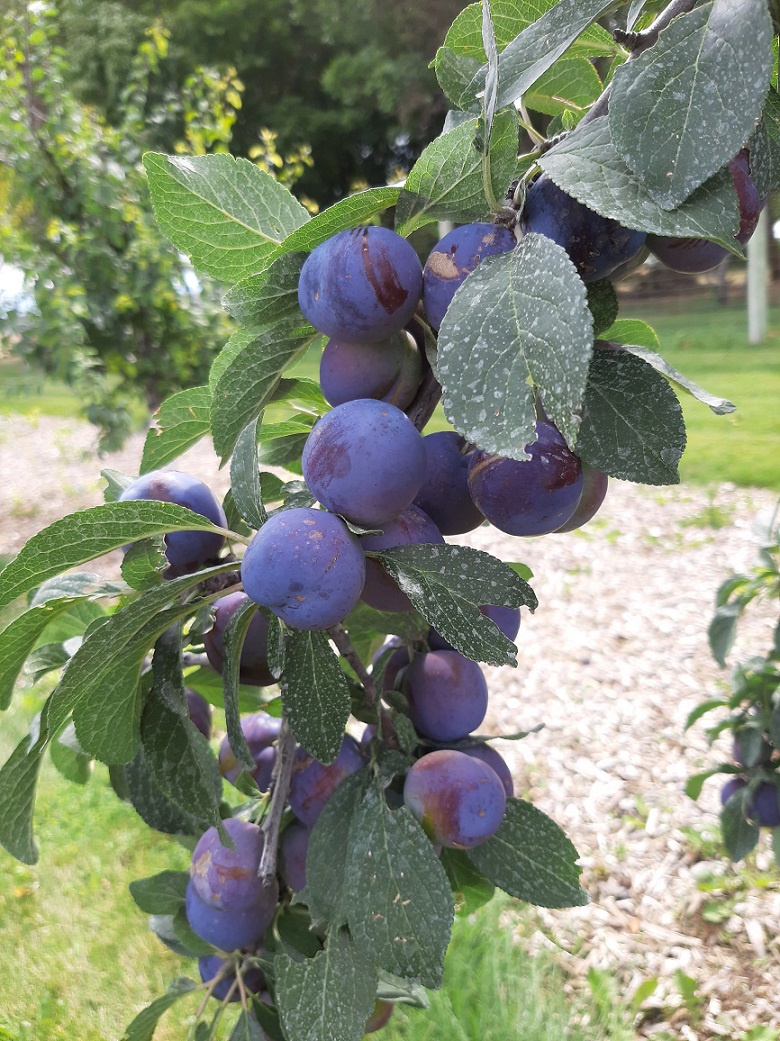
594 491
260 731
199 711
306 566
361 284
293 847
187 551
410 528
459 800
253 667
389 370
764 805
731 787
230 929
532 497
365 460
444 495
447 695
506 618
212 964
456 256
495 761
313 783
596 245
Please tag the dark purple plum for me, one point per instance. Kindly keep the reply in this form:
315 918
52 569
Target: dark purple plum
252 978
487 754
293 847
731 787
751 748
362 284
313 784
764 805
532 497
410 528
506 618
199 711
306 566
594 491
260 731
365 460
253 668
229 929
692 256
187 551
596 245
397 661
444 495
379 1018
227 878
390 370
458 799
447 695
456 256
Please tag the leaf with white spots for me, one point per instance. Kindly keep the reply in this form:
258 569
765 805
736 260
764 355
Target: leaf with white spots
315 694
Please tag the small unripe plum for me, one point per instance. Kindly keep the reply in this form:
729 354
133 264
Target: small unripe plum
532 497
293 847
306 566
487 754
199 711
594 491
253 667
362 284
312 783
260 731
596 245
456 256
379 1018
764 805
253 979
507 619
410 528
227 878
444 495
447 695
365 460
390 370
458 799
187 551
229 929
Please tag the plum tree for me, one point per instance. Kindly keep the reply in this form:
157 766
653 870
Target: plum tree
186 550
253 666
261 732
447 694
444 494
532 497
312 783
453 258
413 527
458 799
362 284
388 370
305 566
364 460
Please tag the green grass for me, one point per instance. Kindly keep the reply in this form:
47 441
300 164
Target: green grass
26 392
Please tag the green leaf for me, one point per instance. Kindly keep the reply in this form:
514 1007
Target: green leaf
586 166
245 477
631 331
446 181
572 84
632 424
82 536
709 68
209 684
281 444
270 298
246 1028
145 1023
740 835
695 783
145 563
77 584
329 997
446 584
315 694
18 784
351 212
455 73
163 893
519 321
722 630
174 932
233 644
249 378
470 888
150 802
401 992
69 759
18 639
530 858
603 305
702 709
765 147
720 406
225 213
400 910
179 423
45 659
116 483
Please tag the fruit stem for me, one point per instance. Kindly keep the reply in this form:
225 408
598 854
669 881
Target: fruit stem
285 755
426 399
340 637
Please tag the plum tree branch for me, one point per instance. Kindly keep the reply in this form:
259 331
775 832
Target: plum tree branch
285 755
340 637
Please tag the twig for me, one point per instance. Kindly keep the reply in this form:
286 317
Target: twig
285 755
426 399
188 660
340 637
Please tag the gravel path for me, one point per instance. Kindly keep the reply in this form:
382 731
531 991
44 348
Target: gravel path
612 663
